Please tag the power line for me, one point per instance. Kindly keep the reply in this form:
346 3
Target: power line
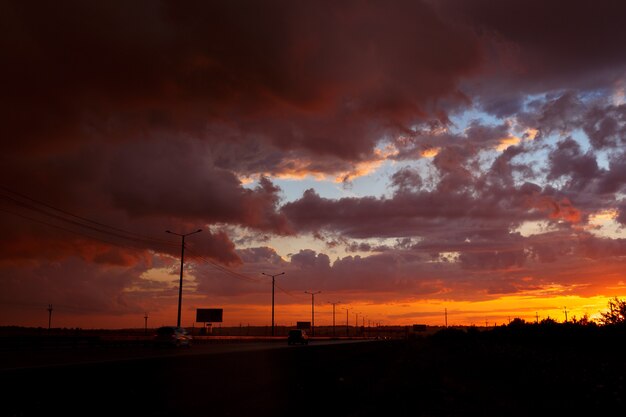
65 229
115 231
69 222
223 268
68 218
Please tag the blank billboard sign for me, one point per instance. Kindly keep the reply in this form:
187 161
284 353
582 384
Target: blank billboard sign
209 315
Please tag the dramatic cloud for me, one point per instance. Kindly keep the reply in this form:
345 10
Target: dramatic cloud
330 77
536 47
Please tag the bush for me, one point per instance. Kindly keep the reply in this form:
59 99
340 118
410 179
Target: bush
616 313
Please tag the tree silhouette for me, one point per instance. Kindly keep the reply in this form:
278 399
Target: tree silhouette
616 313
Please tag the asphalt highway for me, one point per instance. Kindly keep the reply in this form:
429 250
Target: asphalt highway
235 379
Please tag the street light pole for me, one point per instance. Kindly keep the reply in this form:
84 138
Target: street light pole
182 259
312 310
273 277
335 303
49 315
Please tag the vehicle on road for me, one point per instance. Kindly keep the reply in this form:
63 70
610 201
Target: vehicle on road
172 336
298 336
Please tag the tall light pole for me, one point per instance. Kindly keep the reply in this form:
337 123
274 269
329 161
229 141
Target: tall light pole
312 310
335 303
182 259
347 323
364 330
49 315
273 278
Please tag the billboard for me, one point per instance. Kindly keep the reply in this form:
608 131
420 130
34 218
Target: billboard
209 315
303 325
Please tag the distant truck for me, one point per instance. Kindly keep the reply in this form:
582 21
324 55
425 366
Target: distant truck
297 336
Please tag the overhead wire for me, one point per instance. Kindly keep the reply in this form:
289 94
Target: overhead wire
223 268
67 217
80 222
68 230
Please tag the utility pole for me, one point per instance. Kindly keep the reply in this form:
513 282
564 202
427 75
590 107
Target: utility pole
565 311
273 279
347 323
335 303
146 324
312 310
536 317
49 316
182 257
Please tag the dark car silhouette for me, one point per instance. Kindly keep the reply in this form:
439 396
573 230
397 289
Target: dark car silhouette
297 337
172 336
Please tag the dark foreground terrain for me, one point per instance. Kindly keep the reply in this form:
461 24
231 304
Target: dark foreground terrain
529 371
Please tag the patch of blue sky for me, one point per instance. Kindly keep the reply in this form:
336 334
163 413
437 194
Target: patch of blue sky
374 184
293 189
460 121
583 140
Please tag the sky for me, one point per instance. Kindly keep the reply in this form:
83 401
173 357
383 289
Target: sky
410 162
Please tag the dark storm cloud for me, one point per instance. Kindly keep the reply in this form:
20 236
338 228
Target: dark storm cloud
107 104
178 180
569 160
329 77
423 213
606 125
536 46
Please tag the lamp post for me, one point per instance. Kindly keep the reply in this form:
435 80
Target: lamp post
312 310
182 258
273 278
49 316
335 303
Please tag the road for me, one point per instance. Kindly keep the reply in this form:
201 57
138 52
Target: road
236 379
35 358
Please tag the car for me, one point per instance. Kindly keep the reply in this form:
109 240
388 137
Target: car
172 336
298 336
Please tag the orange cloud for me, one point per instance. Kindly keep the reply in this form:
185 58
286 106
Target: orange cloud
558 210
507 142
430 152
